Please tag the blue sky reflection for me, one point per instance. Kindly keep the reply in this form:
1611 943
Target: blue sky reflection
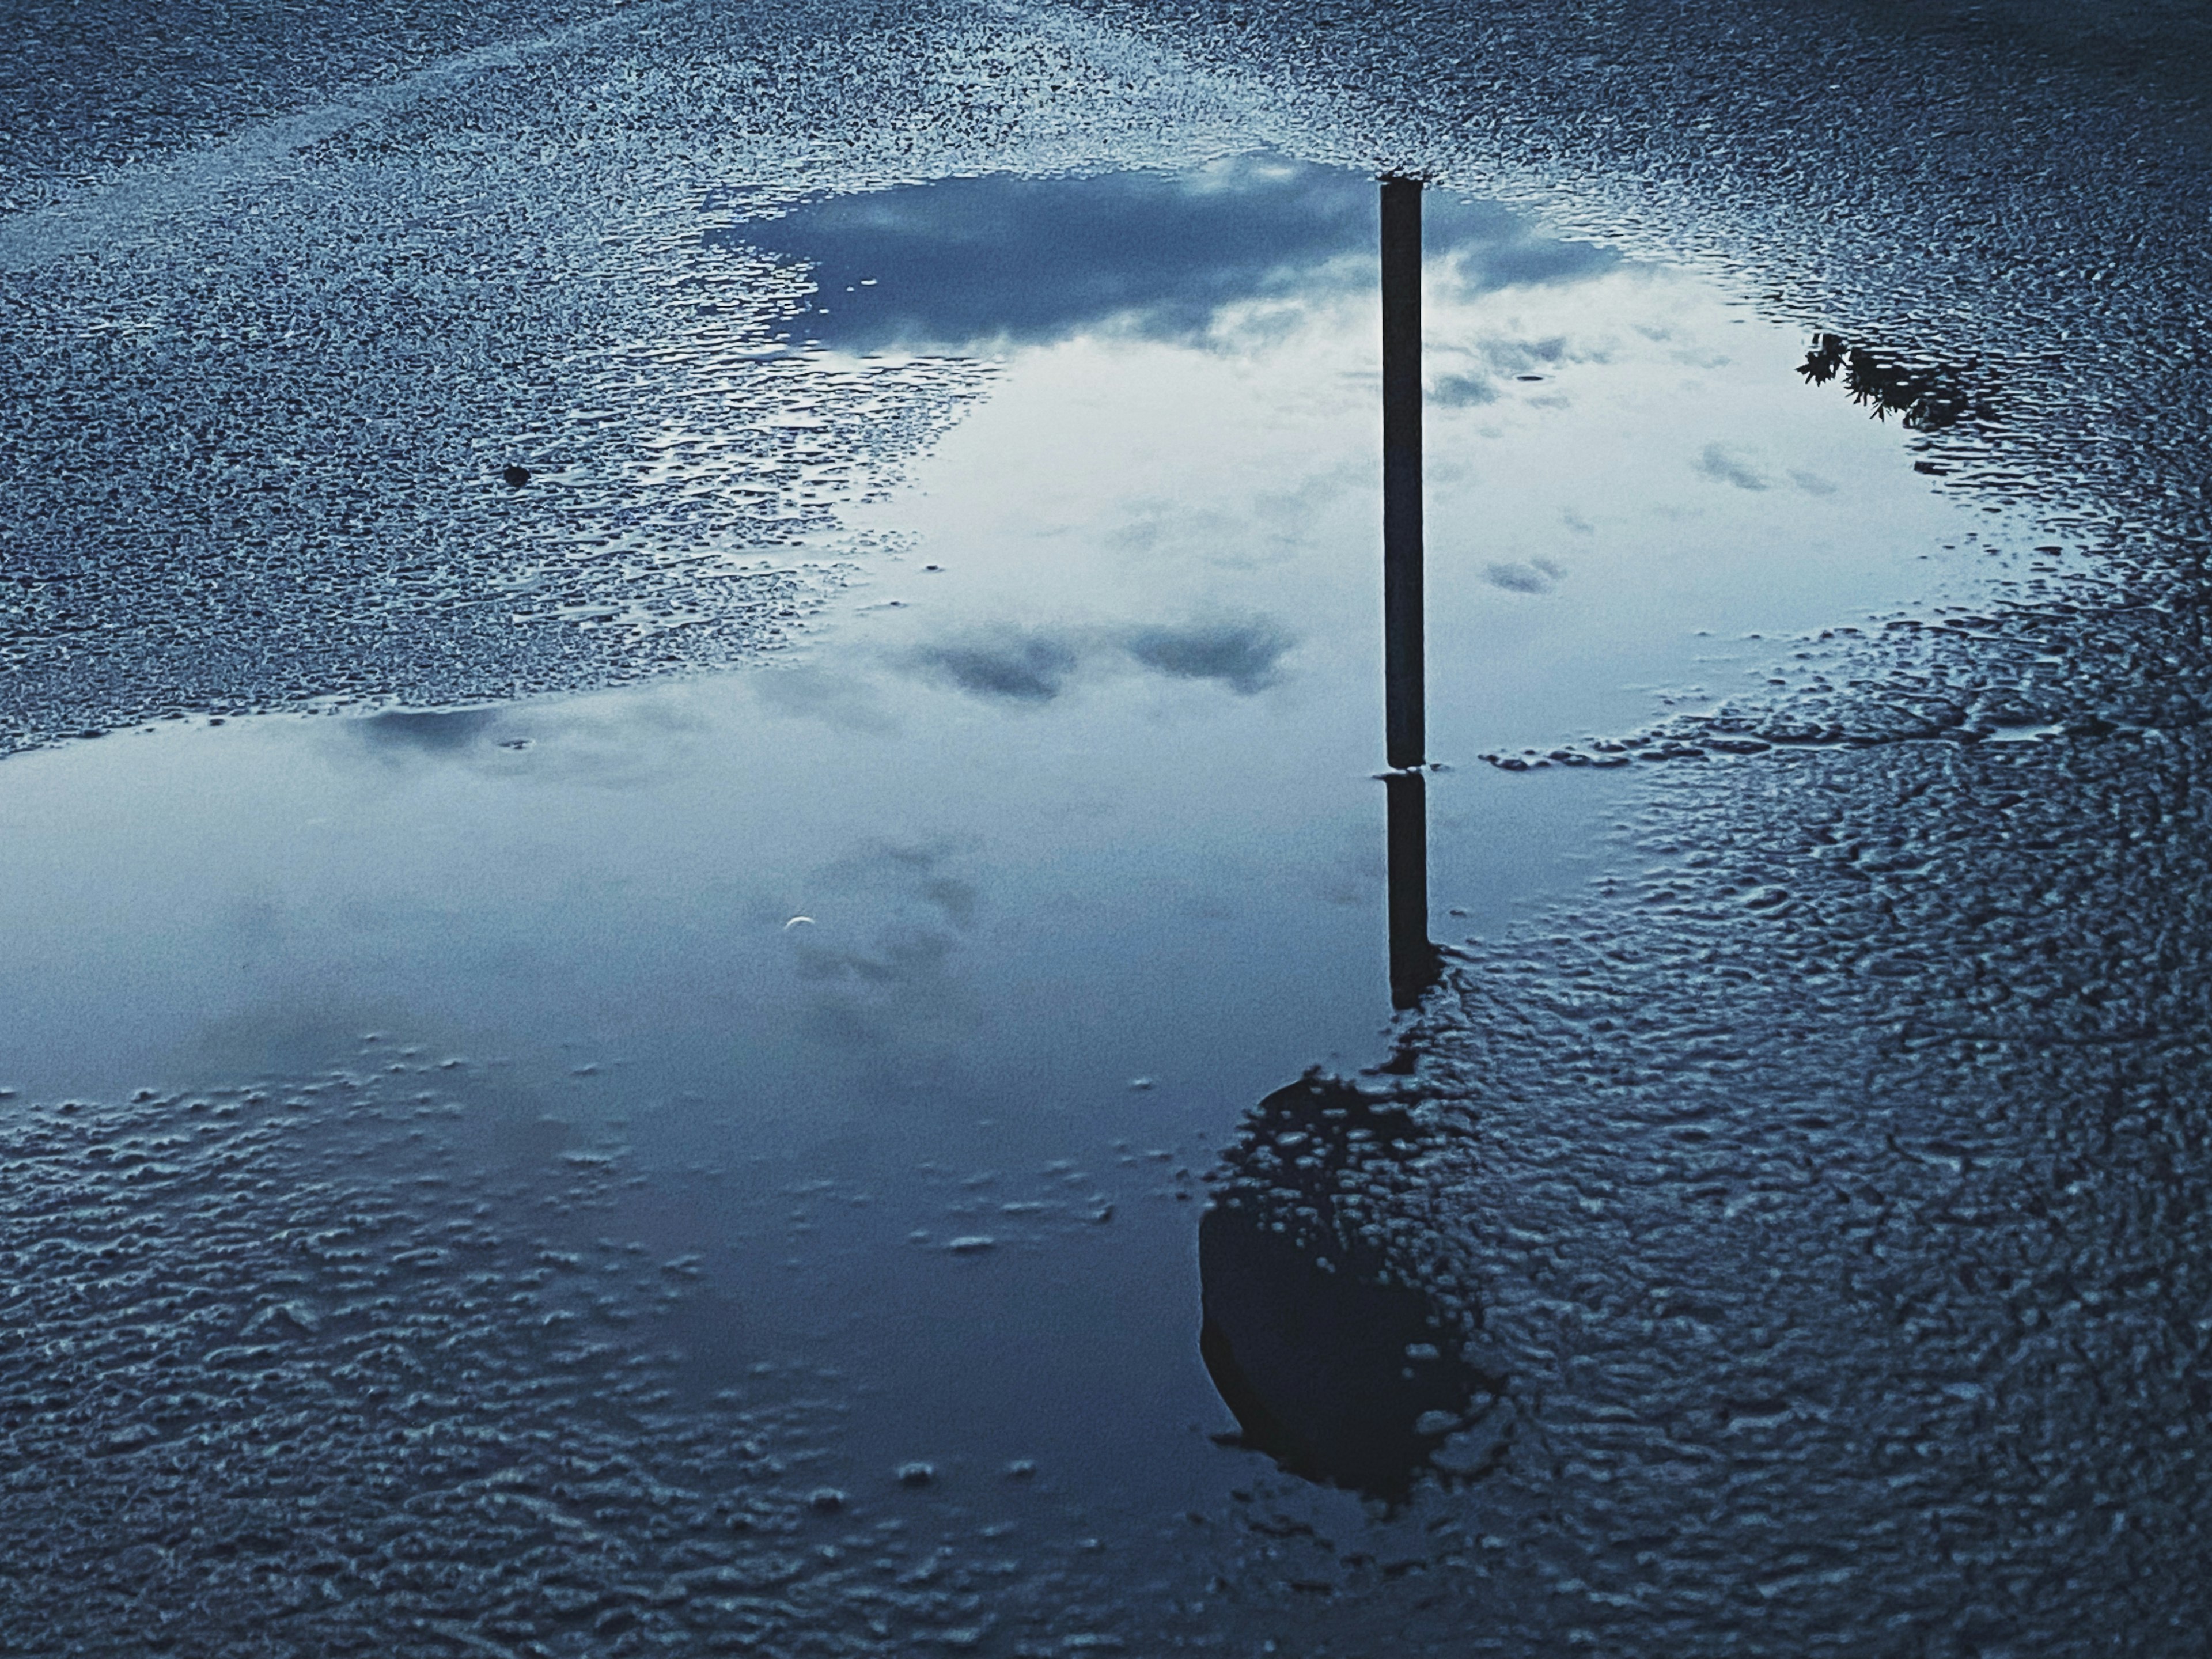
961 262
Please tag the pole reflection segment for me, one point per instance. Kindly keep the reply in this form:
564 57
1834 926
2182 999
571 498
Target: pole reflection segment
1334 1359
1415 963
1413 960
1403 698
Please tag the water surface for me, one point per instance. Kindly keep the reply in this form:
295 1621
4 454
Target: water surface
910 982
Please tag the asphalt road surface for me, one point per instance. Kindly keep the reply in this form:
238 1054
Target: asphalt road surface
688 695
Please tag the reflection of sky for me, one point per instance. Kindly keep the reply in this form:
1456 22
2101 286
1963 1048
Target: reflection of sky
1020 261
1625 478
1077 790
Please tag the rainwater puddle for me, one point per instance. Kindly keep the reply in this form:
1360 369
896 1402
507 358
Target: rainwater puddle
916 977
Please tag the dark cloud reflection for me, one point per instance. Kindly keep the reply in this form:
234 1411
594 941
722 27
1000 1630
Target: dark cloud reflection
439 731
1536 576
1724 466
1034 665
1018 668
1002 259
1240 655
881 959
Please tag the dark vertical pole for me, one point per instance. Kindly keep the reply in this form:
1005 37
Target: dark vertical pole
1403 699
1414 964
1413 960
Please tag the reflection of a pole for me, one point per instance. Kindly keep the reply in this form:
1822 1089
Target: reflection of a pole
1413 964
1413 960
1401 472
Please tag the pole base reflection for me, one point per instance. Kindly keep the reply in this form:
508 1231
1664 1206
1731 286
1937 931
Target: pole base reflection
1416 963
1338 1362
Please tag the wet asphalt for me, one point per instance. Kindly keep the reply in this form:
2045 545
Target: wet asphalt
1803 1203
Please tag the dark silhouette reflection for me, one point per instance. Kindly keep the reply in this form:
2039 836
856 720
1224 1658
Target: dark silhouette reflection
1338 1361
1928 395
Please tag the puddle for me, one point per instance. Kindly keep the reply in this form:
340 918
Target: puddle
920 977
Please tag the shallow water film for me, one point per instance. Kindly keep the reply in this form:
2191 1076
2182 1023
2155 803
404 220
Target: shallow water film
1104 825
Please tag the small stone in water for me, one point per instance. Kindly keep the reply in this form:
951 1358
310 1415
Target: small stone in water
916 1475
516 477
